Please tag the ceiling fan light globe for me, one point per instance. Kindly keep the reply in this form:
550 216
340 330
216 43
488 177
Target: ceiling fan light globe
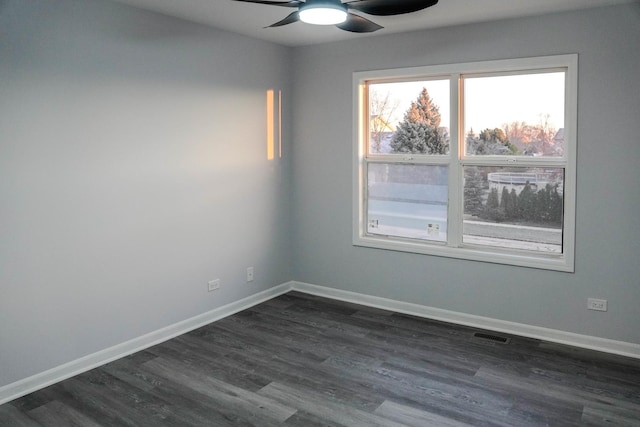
323 12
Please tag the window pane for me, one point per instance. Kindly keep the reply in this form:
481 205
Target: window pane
407 200
409 117
514 208
515 115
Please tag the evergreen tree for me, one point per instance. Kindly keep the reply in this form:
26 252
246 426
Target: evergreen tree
494 135
493 212
508 204
542 208
503 197
419 131
514 211
549 205
527 203
492 200
474 146
490 142
473 191
556 206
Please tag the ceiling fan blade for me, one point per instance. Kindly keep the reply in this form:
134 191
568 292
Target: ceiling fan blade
292 3
293 17
358 24
390 7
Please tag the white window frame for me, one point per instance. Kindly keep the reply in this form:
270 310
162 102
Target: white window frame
454 248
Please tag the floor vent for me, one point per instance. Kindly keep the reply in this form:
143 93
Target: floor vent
492 338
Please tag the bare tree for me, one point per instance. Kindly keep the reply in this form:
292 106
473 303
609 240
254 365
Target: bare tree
381 109
545 133
531 139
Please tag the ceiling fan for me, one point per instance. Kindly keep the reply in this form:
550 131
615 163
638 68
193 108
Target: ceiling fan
334 12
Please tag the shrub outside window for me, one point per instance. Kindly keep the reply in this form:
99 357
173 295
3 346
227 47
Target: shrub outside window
473 161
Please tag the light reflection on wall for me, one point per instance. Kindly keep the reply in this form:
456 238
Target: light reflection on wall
274 123
280 123
270 125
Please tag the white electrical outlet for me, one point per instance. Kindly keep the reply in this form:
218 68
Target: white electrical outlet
250 274
214 285
597 304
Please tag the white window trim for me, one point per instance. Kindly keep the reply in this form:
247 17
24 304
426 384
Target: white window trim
454 248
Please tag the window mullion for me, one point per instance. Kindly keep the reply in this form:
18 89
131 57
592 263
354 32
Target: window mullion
454 214
536 162
410 160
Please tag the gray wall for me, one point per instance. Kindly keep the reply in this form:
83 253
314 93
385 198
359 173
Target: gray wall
608 194
132 170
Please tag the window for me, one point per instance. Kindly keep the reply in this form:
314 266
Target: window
473 161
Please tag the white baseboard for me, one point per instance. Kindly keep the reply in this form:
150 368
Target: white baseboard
36 382
553 335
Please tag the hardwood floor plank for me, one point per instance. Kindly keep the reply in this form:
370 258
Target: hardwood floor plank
56 414
457 400
126 369
324 407
580 381
532 417
283 301
328 323
105 398
303 419
260 334
482 355
191 406
538 388
237 400
316 378
93 406
433 362
32 400
600 417
10 416
590 357
305 338
223 368
414 417
186 404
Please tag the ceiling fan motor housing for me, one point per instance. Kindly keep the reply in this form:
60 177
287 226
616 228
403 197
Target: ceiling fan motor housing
323 12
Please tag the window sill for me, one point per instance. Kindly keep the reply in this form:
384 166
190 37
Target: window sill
555 262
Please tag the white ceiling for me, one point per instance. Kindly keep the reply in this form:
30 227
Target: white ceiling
250 19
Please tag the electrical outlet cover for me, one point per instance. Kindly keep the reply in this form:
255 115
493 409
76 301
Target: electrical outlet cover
214 285
597 304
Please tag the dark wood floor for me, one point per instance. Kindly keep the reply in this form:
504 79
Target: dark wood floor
300 360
